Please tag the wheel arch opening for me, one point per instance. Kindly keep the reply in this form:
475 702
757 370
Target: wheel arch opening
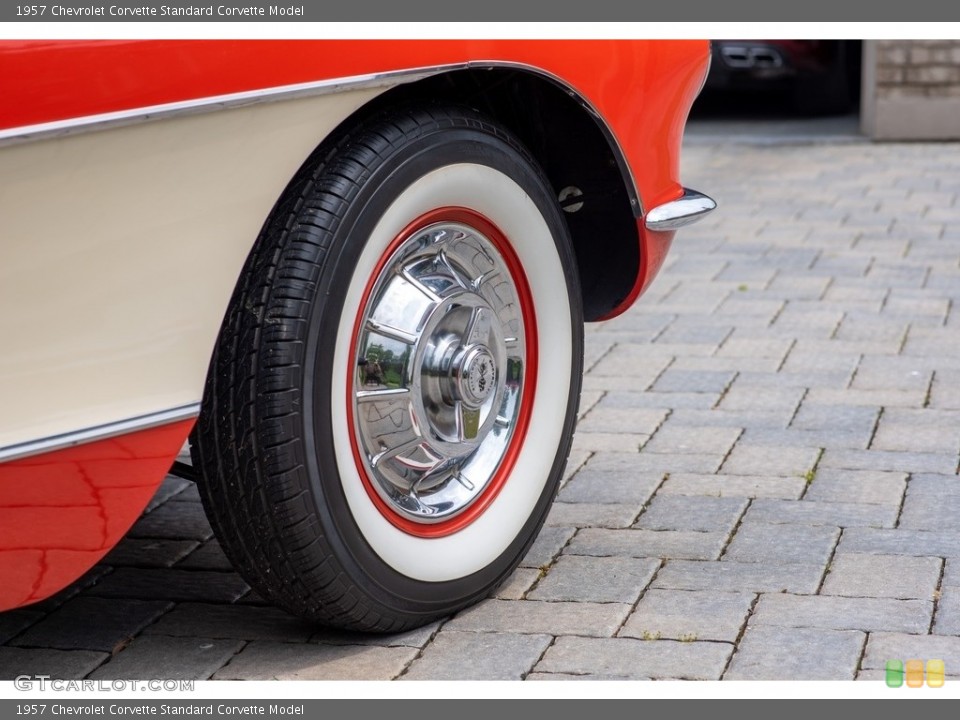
577 153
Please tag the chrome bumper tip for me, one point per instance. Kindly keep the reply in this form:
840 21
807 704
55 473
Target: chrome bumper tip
686 210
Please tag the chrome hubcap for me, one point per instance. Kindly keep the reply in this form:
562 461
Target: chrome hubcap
441 363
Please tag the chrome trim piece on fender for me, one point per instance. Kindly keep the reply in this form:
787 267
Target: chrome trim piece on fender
688 209
215 102
100 432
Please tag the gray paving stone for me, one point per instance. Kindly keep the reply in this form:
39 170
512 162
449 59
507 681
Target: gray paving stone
175 585
891 373
890 461
701 333
682 462
189 494
692 513
548 618
208 556
678 439
867 398
745 398
918 543
174 521
547 546
886 646
574 462
739 577
232 621
593 515
805 362
767 543
296 661
813 512
595 579
587 441
951 572
478 656
947 620
634 421
761 381
837 439
938 485
927 510
55 664
629 658
661 400
517 585
770 460
854 418
734 486
729 364
133 552
88 623
921 417
594 486
55 601
691 381
13 622
633 361
748 348
688 615
945 391
416 638
857 486
586 677
588 401
170 658
843 613
889 576
724 418
910 438
168 488
778 653
648 543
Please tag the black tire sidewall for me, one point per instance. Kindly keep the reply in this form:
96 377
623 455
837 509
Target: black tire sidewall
383 584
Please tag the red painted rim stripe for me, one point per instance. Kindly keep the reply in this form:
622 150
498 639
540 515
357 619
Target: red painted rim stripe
480 223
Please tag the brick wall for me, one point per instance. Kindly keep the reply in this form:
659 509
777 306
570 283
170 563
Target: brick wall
918 68
912 89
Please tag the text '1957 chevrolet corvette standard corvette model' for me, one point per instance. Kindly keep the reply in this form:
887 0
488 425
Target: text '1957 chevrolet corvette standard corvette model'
353 273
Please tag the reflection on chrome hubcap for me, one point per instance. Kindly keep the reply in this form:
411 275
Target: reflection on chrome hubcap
441 363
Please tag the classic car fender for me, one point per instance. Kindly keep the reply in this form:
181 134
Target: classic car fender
134 179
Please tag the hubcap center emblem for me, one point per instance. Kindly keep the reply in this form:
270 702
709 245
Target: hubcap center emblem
477 376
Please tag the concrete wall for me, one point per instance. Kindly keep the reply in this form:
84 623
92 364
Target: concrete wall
911 89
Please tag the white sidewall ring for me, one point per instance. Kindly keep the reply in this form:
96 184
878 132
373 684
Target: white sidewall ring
501 200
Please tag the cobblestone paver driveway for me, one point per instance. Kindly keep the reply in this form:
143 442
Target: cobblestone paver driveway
764 482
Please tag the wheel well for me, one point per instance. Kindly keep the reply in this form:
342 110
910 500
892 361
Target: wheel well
574 150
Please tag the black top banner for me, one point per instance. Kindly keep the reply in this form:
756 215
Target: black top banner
541 11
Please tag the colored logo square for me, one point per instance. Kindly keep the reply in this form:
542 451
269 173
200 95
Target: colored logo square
935 673
914 673
894 673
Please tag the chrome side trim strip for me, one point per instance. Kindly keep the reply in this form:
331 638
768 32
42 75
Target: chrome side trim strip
100 432
215 102
688 209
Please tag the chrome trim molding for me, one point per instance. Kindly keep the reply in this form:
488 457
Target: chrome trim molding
688 209
100 432
216 102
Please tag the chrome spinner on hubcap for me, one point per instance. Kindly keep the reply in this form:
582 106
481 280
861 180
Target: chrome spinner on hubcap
441 365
